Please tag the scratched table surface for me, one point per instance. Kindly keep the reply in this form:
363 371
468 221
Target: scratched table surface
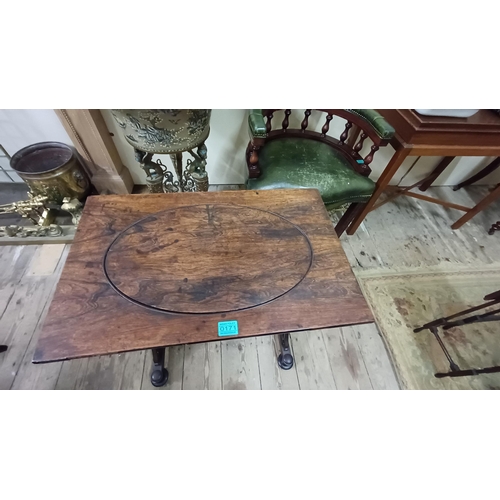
158 270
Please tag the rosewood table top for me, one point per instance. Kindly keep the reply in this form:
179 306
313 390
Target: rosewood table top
156 270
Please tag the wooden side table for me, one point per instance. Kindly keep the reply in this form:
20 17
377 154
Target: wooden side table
417 135
157 270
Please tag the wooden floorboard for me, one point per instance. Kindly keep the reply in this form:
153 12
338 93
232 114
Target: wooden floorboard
346 361
240 364
23 319
404 233
314 369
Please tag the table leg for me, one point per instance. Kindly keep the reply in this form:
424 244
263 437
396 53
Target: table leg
426 183
388 173
285 358
159 375
487 200
480 175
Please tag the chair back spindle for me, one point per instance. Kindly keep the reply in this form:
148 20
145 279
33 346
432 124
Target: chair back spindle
305 121
369 158
357 148
326 126
268 123
285 123
345 133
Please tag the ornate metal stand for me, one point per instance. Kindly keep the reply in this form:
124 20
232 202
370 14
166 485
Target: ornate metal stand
159 375
172 132
445 323
285 358
159 179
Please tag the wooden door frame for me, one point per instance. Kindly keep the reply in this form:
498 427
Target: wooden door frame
91 138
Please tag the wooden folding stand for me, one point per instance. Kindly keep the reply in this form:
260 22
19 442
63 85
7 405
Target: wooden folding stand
445 324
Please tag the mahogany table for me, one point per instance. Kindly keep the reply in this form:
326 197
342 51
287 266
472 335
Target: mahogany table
157 270
418 135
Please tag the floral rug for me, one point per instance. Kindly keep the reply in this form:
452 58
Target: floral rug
402 301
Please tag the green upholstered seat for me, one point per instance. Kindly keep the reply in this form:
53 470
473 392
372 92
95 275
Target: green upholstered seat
289 162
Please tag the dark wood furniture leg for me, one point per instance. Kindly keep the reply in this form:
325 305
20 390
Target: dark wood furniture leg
159 375
348 217
487 200
480 175
285 358
383 181
427 182
494 227
3 348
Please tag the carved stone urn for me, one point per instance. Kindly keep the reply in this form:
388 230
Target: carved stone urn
168 131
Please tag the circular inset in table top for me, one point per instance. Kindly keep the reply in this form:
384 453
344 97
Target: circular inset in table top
202 259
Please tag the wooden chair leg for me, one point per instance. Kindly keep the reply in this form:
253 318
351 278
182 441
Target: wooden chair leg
348 217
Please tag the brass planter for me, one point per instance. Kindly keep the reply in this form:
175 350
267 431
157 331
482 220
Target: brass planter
52 169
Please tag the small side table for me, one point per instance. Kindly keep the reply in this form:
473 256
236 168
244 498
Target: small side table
417 135
156 270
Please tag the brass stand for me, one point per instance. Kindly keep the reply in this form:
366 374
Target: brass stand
159 179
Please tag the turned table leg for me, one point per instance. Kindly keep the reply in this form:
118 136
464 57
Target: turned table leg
480 175
285 358
159 375
426 183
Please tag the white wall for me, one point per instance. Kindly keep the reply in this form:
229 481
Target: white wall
22 127
229 138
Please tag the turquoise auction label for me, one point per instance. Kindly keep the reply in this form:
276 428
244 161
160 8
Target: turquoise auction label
228 328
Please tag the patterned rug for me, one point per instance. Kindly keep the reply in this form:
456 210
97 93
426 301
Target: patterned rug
402 301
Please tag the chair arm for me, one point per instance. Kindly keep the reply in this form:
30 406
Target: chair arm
256 124
377 121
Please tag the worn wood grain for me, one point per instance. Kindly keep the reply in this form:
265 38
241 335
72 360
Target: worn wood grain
202 366
45 260
313 366
79 313
346 360
13 264
240 365
375 356
72 374
25 330
219 258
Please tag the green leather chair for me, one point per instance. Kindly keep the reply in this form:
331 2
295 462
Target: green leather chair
302 158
